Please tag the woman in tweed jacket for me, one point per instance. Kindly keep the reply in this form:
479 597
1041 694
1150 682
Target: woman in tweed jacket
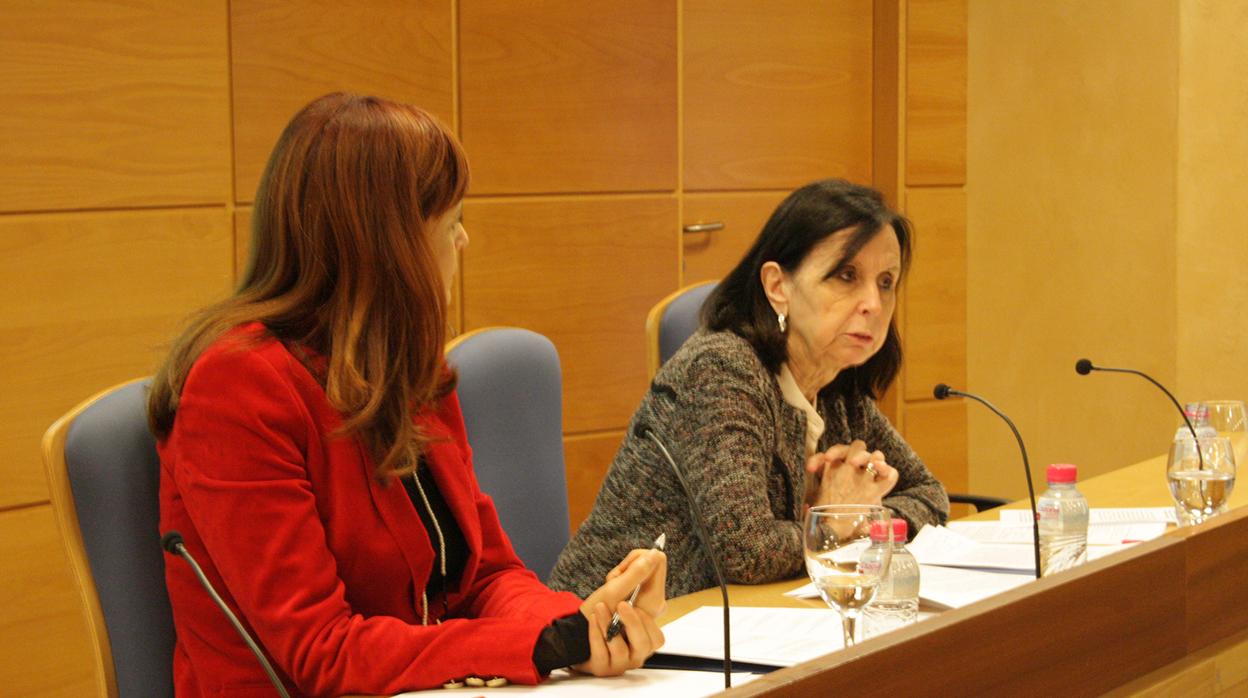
770 407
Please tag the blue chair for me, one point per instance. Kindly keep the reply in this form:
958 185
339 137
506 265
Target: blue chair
104 477
673 320
510 389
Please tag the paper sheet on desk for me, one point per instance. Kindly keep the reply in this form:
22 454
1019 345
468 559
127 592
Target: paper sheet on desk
1098 533
937 545
772 636
1099 515
949 587
642 682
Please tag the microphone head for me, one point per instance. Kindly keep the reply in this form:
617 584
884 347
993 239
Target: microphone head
1083 367
171 541
941 391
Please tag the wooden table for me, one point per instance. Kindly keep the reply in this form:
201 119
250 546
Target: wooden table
1163 617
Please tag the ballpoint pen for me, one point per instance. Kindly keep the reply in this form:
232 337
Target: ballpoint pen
616 626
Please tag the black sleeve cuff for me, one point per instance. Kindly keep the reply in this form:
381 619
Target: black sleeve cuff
562 643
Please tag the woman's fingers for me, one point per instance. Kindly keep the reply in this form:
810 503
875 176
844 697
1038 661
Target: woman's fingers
653 596
628 560
620 587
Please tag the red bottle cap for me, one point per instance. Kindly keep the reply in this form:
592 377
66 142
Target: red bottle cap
1062 473
879 532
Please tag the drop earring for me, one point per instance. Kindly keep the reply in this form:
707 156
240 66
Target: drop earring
784 326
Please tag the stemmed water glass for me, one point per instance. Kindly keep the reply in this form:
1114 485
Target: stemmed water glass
1200 483
1227 417
835 537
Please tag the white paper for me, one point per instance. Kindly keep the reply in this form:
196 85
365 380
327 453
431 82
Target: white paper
772 636
1099 515
949 587
937 545
955 587
1098 534
645 682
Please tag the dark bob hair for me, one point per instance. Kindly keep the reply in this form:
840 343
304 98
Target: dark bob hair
804 219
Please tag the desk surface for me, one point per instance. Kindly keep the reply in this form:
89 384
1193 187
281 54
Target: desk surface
1164 610
1140 485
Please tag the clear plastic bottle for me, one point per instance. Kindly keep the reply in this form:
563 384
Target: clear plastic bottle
1063 521
896 602
1198 412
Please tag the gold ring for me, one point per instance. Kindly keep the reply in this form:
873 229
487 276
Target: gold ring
875 474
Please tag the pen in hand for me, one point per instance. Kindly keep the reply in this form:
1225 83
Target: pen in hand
615 627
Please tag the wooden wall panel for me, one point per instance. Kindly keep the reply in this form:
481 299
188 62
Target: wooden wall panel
937 432
584 272
577 97
709 256
935 318
587 458
112 104
776 94
287 53
43 633
936 92
96 299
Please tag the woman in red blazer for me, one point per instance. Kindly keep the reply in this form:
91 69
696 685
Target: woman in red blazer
313 453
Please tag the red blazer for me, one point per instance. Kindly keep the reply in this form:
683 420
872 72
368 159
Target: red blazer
320 561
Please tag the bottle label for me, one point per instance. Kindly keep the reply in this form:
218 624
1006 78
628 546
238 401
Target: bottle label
1049 511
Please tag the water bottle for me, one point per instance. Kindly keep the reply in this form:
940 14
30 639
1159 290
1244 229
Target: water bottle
896 602
1198 412
1063 521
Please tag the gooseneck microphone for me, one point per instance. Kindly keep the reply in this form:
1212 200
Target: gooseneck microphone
172 542
1083 367
942 391
699 528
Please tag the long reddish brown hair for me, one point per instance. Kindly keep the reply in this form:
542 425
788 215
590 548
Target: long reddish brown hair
341 264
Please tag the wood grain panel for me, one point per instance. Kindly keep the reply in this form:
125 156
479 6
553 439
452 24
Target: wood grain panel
888 115
579 96
43 633
935 294
584 272
776 94
242 240
1031 641
587 458
937 432
111 104
95 300
709 256
1217 567
287 53
936 74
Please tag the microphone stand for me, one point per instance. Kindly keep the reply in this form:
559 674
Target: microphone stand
172 542
700 531
1083 367
943 391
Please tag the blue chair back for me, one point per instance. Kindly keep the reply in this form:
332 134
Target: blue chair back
510 390
673 320
104 475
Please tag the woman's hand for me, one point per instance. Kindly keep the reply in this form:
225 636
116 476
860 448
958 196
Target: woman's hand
641 637
850 474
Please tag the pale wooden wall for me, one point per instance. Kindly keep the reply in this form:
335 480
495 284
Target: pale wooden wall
1212 247
134 133
1106 220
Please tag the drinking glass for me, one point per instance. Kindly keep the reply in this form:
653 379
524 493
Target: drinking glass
1227 417
1200 490
835 537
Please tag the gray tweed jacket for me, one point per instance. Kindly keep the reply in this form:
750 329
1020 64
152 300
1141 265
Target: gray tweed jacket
720 413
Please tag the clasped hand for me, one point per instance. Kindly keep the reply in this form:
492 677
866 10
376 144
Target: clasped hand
850 474
642 636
